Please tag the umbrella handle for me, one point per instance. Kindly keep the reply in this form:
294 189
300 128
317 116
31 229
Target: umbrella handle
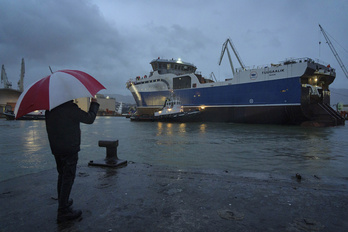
50 69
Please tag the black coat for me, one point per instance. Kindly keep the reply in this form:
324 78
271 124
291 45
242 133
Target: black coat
63 126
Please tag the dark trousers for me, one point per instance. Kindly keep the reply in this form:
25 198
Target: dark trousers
66 167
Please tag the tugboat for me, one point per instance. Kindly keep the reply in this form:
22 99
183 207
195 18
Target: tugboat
174 111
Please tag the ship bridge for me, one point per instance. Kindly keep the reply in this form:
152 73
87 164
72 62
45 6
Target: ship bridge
176 67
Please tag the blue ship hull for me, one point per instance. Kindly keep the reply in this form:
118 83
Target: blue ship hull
273 102
276 92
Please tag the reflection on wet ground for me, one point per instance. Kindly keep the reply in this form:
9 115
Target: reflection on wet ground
253 148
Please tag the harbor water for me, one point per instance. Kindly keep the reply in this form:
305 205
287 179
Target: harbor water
239 148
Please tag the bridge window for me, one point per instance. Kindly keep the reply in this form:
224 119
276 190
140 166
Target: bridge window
182 82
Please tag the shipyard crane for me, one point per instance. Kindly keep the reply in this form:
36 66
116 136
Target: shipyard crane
334 51
225 48
21 77
7 84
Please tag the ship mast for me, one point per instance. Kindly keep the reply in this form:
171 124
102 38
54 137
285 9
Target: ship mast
334 51
225 48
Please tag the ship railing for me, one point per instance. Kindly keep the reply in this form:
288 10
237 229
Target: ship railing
285 62
303 60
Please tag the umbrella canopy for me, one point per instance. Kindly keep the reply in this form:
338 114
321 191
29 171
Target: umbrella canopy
56 89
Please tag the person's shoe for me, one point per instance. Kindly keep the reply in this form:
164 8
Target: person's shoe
70 202
68 214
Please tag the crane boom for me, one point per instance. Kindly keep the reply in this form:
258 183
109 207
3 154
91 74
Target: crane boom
225 48
334 52
21 77
7 84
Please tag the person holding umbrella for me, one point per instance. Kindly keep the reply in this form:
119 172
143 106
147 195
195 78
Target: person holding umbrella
64 135
55 94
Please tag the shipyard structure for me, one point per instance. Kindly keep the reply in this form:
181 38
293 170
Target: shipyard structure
8 95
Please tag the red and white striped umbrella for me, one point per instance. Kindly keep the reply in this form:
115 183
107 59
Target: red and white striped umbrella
56 89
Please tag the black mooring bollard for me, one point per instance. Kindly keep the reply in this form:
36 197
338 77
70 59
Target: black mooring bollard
111 159
111 150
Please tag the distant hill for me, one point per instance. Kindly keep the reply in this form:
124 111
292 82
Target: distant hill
337 95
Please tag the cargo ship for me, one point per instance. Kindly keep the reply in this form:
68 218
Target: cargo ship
295 91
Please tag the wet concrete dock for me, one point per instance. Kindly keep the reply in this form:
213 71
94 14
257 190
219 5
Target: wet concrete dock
141 197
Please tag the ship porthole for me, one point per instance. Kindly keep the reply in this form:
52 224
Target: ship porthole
251 101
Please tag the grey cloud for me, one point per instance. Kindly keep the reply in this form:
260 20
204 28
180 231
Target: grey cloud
116 40
63 34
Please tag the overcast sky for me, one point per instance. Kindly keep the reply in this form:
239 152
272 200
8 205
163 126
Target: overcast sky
115 40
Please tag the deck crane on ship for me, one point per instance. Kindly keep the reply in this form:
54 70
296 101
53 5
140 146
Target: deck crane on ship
225 48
